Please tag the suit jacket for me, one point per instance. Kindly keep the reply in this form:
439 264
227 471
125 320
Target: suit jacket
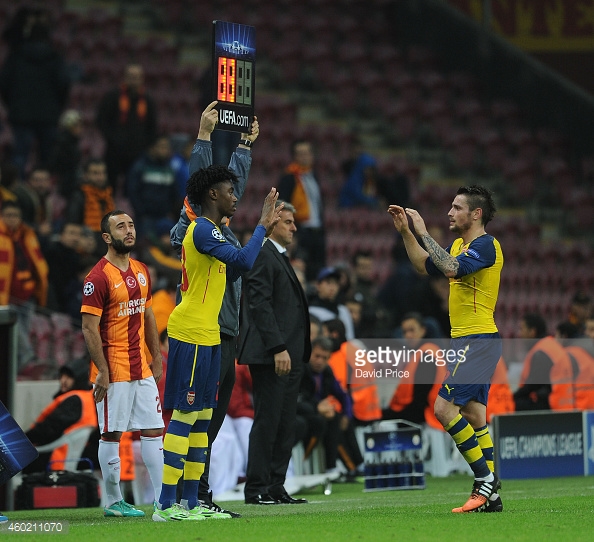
275 316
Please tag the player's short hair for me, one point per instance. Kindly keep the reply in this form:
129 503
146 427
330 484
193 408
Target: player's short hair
287 206
105 219
479 197
201 181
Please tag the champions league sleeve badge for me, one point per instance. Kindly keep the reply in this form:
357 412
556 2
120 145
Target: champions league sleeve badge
88 288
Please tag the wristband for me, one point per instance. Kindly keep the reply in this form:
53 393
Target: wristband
246 142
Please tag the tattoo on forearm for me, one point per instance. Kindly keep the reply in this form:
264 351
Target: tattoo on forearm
444 261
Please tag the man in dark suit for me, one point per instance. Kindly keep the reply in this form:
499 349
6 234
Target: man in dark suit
275 344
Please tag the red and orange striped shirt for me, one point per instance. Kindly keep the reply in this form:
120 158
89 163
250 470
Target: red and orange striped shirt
120 299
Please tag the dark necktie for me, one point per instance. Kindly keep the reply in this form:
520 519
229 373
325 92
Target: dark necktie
292 274
288 264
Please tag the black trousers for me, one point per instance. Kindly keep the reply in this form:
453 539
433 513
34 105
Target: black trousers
226 383
273 432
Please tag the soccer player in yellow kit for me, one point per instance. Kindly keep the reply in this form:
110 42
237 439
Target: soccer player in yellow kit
473 263
193 366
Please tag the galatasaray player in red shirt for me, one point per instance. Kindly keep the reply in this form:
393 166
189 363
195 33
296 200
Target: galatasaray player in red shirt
117 320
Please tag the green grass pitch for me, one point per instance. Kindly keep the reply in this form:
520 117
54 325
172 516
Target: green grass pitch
534 510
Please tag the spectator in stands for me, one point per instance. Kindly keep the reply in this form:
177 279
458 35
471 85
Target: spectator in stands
394 188
547 374
73 290
579 311
161 254
164 303
180 162
566 330
363 391
92 201
375 319
299 265
315 327
581 354
73 407
88 242
41 206
327 409
415 396
9 175
127 119
63 259
23 272
364 186
501 397
300 186
355 307
360 186
34 85
345 280
324 304
394 294
430 297
66 156
152 190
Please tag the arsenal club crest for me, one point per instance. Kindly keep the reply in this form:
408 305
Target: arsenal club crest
190 397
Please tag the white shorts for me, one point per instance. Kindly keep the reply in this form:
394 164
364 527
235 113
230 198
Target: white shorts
130 406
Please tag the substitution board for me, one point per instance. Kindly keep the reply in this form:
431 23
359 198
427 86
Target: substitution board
234 63
16 451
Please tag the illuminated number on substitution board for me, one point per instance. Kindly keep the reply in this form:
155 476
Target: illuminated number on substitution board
227 79
222 80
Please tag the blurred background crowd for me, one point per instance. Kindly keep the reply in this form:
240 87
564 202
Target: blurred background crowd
380 102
